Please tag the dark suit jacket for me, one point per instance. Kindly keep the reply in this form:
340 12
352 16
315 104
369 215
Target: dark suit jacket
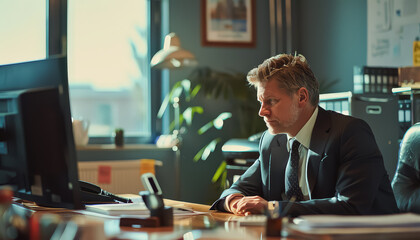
346 173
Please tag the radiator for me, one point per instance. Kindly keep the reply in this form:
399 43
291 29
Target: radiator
122 176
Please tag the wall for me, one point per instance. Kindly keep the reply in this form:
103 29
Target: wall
185 20
331 34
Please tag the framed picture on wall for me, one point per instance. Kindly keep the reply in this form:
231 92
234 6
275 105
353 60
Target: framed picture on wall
229 23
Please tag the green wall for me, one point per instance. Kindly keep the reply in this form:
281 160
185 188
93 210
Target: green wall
185 21
332 34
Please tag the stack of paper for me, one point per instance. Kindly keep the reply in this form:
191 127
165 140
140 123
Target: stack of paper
118 209
394 226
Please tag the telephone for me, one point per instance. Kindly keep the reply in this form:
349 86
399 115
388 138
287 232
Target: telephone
91 193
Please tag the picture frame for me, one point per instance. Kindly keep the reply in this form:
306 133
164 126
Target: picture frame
228 26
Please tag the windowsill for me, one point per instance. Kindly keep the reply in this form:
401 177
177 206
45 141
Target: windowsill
96 147
102 152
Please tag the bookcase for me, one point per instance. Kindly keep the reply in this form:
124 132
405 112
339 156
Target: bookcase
374 79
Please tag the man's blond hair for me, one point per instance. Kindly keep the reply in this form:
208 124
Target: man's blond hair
290 71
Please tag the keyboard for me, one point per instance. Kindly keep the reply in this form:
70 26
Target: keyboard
252 220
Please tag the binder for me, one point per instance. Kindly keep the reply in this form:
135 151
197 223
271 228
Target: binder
374 79
357 79
404 114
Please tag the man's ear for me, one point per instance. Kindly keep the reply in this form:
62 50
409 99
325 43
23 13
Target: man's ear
303 96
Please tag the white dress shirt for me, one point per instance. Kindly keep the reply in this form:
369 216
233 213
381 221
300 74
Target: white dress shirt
304 137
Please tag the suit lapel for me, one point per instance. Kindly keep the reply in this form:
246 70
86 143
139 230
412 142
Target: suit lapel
320 135
278 161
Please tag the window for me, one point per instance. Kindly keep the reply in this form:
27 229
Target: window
108 48
22 31
108 61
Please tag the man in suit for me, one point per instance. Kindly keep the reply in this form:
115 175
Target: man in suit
326 162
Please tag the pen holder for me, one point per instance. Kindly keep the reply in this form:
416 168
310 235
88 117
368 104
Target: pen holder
274 219
274 227
165 215
154 202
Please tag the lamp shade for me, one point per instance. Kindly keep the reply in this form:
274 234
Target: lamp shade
172 55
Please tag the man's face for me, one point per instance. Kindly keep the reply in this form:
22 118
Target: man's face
279 110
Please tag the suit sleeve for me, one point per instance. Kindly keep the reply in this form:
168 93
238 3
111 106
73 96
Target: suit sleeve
249 184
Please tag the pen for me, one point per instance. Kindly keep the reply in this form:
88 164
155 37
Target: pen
288 206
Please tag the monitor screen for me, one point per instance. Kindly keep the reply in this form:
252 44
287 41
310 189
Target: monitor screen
37 152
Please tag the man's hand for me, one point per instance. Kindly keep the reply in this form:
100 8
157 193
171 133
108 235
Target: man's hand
240 205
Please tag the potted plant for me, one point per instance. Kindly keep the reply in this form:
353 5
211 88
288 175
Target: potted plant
232 87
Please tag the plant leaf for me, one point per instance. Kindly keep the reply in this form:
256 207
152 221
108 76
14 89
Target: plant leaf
224 115
210 148
206 127
176 91
172 125
199 154
163 106
186 85
219 121
223 181
195 90
188 114
219 171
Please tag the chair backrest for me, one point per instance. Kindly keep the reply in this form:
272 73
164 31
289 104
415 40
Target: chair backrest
406 182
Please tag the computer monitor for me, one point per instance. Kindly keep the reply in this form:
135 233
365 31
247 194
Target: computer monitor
37 152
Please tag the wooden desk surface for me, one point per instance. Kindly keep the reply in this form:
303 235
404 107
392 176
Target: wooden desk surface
216 224
208 225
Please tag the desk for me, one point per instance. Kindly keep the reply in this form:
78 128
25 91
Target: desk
216 222
210 223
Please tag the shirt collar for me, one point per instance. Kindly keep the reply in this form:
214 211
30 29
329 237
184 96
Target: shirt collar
305 133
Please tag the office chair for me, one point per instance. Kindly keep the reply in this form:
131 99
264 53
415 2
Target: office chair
406 182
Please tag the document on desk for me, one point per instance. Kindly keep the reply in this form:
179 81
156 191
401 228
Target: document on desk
393 226
118 209
331 221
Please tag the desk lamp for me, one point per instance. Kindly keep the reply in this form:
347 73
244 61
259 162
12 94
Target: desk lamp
173 56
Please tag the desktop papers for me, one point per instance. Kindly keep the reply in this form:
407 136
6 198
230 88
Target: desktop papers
331 221
116 209
139 208
393 226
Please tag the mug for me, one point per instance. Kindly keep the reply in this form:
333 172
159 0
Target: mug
80 131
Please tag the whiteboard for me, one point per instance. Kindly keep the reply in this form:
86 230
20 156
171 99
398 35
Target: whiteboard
393 26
